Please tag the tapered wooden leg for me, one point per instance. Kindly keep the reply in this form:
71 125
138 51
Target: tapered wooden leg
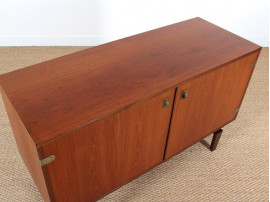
215 139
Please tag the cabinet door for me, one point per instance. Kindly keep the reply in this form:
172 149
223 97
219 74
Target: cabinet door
210 103
99 157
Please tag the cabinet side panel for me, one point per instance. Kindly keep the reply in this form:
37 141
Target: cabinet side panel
102 156
27 148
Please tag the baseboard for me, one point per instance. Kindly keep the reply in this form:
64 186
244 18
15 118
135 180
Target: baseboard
53 40
81 40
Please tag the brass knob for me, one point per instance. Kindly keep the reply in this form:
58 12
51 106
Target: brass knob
165 103
184 94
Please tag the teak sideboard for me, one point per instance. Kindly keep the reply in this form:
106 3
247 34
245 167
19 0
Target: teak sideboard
89 122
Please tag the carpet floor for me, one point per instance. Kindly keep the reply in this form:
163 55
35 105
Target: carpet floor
236 171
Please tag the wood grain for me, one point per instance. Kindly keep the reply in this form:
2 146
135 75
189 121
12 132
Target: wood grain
27 149
55 97
211 103
99 157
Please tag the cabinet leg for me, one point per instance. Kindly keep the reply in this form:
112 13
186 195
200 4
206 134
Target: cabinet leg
215 139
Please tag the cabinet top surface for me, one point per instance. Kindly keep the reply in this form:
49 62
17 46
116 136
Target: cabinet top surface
55 97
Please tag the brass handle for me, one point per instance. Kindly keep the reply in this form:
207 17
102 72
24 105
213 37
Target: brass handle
165 103
184 94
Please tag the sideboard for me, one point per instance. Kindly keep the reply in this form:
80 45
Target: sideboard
91 121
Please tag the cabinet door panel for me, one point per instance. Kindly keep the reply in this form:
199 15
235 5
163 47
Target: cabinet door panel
210 103
99 157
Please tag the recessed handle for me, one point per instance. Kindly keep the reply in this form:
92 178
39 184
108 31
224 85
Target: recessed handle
184 94
165 102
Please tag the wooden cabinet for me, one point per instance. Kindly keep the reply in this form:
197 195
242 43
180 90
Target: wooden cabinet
91 121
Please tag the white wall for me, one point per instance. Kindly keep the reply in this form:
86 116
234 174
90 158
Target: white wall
93 22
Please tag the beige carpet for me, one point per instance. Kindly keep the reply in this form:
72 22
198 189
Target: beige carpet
236 171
